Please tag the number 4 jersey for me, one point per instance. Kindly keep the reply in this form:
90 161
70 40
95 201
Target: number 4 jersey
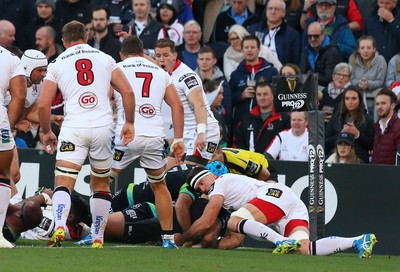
83 75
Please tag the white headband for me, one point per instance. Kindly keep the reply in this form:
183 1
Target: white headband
198 177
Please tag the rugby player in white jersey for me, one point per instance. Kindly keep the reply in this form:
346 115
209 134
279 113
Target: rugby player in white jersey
255 204
83 74
153 86
12 79
201 130
34 63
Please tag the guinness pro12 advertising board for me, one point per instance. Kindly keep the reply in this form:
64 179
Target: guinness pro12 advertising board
300 93
294 93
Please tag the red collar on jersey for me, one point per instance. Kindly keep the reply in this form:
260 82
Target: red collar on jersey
73 44
178 62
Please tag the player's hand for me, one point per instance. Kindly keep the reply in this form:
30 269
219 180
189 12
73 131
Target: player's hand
178 148
200 141
48 191
57 119
127 133
187 244
49 141
24 125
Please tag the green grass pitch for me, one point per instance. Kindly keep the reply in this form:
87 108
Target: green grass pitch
30 256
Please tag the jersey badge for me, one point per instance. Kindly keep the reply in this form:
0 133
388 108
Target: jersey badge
251 167
273 192
88 100
5 136
118 154
191 82
147 111
131 213
211 147
185 76
67 146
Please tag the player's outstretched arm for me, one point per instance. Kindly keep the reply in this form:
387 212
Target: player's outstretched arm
121 84
264 174
196 100
47 94
182 210
231 240
206 221
172 99
17 90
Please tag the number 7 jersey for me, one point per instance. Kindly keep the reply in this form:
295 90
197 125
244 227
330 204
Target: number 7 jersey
83 75
149 83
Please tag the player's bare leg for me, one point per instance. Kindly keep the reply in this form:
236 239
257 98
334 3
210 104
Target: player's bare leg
5 191
163 203
65 178
100 204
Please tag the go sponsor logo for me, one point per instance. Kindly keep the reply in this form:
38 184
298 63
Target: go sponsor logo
88 100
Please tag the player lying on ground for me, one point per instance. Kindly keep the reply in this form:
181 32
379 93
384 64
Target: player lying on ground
257 204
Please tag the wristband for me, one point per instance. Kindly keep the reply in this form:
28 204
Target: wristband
175 141
201 128
304 11
47 199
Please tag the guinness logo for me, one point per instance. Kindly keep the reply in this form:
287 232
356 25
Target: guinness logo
291 82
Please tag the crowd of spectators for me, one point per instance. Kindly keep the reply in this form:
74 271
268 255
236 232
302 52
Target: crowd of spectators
238 46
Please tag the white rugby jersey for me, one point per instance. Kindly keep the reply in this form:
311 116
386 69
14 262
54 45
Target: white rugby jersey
32 95
149 82
288 147
83 75
237 190
45 228
10 67
185 80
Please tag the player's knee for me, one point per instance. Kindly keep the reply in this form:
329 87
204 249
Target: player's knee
304 238
100 173
243 213
113 175
156 178
305 247
299 235
66 171
16 176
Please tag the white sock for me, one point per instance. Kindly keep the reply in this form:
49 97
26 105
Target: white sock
330 245
100 210
61 207
5 194
259 231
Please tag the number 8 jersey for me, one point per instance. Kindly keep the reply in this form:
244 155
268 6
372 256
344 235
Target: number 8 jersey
83 75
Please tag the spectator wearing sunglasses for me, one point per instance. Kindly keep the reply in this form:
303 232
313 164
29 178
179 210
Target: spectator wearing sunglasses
321 54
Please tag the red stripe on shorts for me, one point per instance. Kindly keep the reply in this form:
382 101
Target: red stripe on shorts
272 212
294 224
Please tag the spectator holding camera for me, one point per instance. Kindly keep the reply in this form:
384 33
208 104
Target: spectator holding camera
352 118
249 73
